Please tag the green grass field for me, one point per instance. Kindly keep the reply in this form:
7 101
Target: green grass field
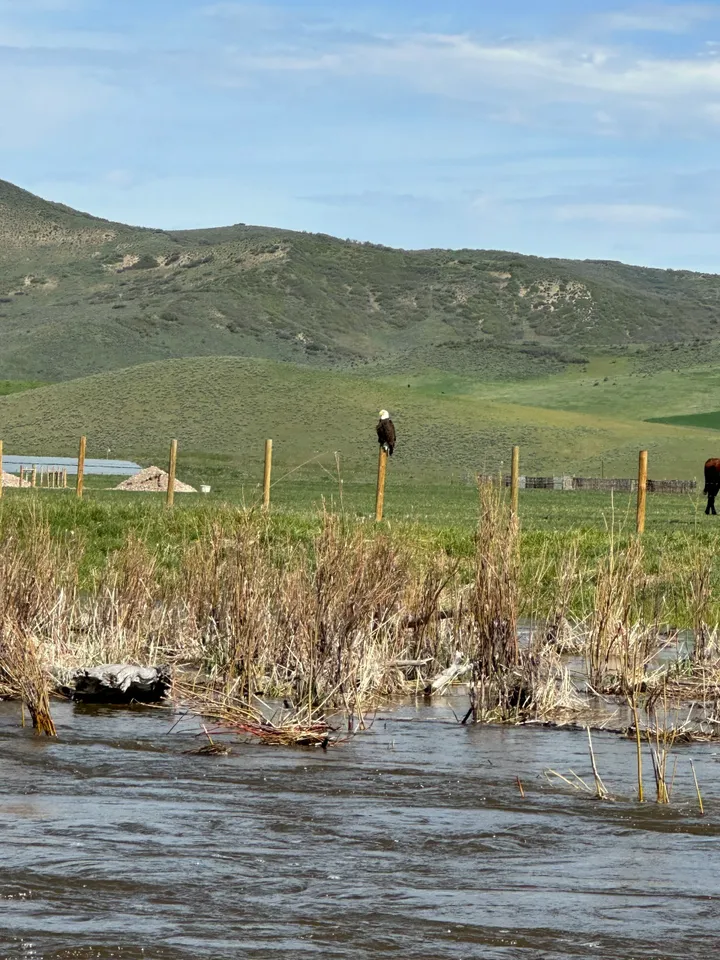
705 421
433 506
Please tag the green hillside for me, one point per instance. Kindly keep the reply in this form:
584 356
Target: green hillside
706 421
228 406
223 337
80 295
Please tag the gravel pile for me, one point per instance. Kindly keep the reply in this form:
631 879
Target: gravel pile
153 479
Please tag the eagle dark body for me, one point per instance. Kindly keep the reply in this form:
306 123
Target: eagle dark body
386 435
712 484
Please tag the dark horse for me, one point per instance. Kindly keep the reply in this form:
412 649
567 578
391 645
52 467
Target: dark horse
712 484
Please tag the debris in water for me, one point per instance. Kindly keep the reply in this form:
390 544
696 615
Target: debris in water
120 683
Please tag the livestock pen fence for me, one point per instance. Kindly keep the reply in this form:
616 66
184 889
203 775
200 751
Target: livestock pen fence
597 484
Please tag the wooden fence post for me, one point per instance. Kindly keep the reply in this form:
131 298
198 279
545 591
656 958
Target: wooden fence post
515 480
22 475
64 476
380 495
642 490
267 475
79 486
33 476
171 474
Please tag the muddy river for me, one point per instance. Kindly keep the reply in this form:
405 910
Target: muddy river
411 841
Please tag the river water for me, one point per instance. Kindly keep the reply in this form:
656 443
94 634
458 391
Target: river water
410 841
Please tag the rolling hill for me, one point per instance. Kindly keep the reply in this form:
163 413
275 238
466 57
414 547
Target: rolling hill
80 295
223 337
226 406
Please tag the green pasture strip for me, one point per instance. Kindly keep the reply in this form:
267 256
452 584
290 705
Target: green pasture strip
18 386
705 421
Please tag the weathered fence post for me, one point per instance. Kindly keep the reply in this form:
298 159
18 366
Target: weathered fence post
64 476
33 477
171 474
515 480
22 475
642 490
380 495
81 468
267 475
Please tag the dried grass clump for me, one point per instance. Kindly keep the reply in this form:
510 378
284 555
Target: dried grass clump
699 599
287 727
538 688
619 648
22 676
345 610
565 580
494 605
324 622
229 591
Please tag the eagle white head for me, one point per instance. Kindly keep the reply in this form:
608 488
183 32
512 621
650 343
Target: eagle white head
384 415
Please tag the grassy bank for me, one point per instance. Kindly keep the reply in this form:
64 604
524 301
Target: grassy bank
327 610
429 522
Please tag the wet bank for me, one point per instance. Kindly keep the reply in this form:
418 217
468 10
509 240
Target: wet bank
410 841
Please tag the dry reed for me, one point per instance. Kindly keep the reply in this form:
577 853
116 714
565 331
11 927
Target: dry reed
23 676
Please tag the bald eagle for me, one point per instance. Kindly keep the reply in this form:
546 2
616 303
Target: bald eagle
386 432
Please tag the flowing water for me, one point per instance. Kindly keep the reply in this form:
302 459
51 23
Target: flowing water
410 841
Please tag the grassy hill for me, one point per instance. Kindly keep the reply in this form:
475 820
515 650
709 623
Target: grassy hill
224 337
79 295
227 406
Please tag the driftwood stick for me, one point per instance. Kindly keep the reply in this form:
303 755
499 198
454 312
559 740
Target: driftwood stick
420 621
456 669
599 785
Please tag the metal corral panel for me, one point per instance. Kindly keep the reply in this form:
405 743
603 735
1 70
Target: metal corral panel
109 468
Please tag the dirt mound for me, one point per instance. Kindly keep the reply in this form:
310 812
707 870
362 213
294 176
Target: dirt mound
10 480
152 479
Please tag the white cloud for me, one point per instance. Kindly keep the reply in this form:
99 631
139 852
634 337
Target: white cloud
637 214
661 18
513 78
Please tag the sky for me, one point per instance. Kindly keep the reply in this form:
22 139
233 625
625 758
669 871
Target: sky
572 128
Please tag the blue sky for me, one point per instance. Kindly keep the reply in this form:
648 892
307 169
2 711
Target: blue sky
580 129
